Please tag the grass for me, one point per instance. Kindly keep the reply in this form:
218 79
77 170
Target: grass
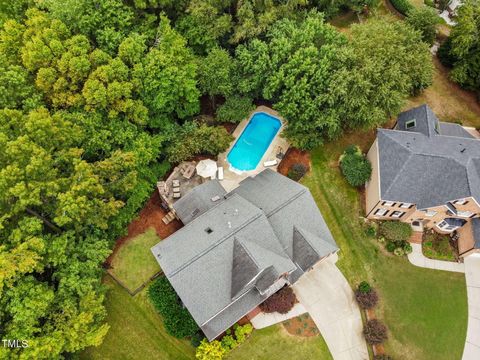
136 331
275 343
425 310
134 264
437 246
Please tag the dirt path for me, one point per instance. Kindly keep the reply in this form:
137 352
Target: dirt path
150 216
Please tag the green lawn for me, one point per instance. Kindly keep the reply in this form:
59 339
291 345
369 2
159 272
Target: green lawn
275 343
425 310
134 264
136 331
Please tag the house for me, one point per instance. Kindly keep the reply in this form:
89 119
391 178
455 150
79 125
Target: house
427 172
237 249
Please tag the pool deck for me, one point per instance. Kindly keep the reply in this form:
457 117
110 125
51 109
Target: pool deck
233 178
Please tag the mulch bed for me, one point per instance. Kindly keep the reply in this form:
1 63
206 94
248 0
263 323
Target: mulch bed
302 325
150 216
293 156
377 349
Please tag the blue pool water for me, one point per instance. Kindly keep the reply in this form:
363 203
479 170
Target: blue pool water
254 141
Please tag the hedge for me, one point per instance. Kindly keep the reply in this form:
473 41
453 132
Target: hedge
178 321
402 6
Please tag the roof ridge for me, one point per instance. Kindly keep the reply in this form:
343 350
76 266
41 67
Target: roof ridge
302 191
215 244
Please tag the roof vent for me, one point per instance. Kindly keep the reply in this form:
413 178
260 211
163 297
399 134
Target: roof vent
463 150
208 230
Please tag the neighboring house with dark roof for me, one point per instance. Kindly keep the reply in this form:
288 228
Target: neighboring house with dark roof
237 249
428 171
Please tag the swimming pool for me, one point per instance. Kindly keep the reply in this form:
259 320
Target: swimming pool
254 141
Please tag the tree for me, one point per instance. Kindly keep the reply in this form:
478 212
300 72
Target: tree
464 46
424 20
235 109
168 78
355 166
194 139
215 74
383 64
282 301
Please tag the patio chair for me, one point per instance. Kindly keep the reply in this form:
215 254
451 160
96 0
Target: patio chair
187 174
177 195
176 183
220 173
176 190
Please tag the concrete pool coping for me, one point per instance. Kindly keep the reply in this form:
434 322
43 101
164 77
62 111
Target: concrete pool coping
233 178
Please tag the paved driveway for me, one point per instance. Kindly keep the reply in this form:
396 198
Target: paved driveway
327 296
472 275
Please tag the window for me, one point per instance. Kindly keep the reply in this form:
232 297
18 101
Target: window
388 203
464 213
381 212
406 205
397 214
461 202
430 213
446 227
410 124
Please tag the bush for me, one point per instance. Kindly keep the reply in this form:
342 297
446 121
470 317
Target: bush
297 171
402 6
429 3
375 332
178 321
210 350
242 332
197 338
407 248
399 251
355 167
282 301
371 231
366 296
235 109
395 230
391 246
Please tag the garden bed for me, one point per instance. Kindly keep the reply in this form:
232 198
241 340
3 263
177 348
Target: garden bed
437 246
293 156
302 325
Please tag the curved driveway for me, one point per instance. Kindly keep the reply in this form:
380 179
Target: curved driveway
327 296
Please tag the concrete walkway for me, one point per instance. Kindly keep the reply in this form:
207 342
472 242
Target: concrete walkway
327 296
417 258
471 350
264 320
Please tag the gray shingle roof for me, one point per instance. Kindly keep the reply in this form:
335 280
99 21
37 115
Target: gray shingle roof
426 168
222 274
198 200
476 232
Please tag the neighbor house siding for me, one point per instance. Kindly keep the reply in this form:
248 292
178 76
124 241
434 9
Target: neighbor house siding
372 187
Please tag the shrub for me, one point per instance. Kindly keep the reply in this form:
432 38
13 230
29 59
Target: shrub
364 287
282 301
235 109
371 231
355 167
381 240
402 6
297 171
407 248
366 296
395 230
375 332
178 321
197 338
430 3
391 246
229 343
210 350
399 251
242 332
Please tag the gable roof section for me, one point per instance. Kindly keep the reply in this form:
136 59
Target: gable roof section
426 122
428 170
199 200
308 248
450 129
